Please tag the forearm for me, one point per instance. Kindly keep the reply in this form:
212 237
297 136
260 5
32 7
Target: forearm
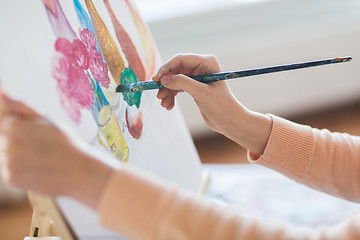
320 159
88 177
144 207
336 164
256 132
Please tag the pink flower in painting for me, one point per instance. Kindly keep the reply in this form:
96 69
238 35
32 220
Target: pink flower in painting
88 39
64 46
72 66
98 67
80 54
74 87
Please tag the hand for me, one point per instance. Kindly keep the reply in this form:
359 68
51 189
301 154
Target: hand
215 100
36 154
219 108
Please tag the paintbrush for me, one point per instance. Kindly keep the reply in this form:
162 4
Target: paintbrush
209 78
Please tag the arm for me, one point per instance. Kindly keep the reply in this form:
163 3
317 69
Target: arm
129 201
143 207
324 160
329 162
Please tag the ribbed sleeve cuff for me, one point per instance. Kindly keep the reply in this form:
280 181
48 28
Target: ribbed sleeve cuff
289 149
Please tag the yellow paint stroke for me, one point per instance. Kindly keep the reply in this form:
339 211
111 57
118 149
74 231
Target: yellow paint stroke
108 47
146 39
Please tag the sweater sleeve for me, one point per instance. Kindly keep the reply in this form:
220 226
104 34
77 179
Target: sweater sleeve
140 206
324 160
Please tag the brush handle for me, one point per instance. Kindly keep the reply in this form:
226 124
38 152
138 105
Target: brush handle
209 78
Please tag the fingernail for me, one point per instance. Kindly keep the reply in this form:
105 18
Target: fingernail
154 78
161 72
164 67
166 79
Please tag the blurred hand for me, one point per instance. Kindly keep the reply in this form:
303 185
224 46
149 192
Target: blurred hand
36 154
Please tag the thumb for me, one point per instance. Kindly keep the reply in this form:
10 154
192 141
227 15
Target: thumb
12 106
182 82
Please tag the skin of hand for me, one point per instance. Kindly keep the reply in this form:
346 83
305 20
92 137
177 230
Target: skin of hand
37 155
221 111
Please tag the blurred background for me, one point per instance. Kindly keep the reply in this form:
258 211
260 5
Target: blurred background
246 34
256 33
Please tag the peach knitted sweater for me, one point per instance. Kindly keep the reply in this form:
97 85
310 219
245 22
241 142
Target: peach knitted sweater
147 208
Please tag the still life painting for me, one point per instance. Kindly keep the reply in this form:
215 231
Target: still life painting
88 64
67 57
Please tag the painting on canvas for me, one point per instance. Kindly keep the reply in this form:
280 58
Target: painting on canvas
67 57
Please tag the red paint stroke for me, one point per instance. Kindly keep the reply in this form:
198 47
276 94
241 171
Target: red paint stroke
135 124
127 45
146 39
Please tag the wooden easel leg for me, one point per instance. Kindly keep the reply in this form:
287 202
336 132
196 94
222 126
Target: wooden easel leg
34 227
47 220
41 221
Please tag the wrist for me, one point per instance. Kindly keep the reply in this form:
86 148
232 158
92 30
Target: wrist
252 130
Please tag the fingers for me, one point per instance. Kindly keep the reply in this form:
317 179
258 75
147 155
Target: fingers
177 83
11 106
189 64
163 93
167 98
163 70
169 101
180 82
173 76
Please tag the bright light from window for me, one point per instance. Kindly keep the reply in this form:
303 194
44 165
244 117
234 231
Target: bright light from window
155 10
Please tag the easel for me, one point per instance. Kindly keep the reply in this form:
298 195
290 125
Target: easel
49 224
47 221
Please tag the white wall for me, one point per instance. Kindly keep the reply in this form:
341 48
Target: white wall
246 34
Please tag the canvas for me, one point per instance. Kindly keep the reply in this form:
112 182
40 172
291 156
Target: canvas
67 57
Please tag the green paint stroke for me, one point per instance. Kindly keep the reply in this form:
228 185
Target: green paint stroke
128 77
